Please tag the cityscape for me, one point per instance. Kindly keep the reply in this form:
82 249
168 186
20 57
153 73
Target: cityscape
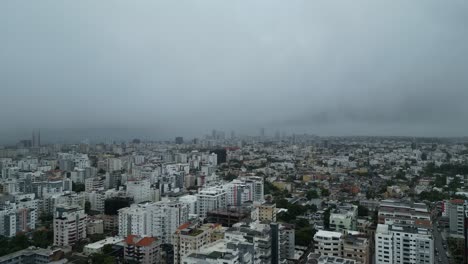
234 132
227 199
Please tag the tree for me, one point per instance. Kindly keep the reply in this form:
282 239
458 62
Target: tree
312 194
424 156
43 238
362 211
107 249
102 259
304 236
325 192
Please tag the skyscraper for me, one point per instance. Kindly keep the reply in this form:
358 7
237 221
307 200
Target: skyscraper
36 138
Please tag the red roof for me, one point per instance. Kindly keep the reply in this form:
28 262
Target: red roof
135 240
457 201
184 226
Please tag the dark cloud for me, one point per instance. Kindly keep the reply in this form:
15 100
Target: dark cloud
354 67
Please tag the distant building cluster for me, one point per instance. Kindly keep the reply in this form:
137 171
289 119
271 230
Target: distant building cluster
264 199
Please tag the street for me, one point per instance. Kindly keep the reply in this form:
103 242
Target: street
440 251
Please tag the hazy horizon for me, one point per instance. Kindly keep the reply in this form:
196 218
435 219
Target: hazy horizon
160 69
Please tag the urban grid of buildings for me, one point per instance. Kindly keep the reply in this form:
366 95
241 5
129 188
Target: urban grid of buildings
238 200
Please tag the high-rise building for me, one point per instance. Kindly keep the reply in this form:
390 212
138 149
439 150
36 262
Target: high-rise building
140 191
179 140
210 199
36 139
456 213
69 225
403 244
244 189
160 219
399 212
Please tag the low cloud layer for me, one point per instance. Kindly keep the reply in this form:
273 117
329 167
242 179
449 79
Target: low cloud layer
184 67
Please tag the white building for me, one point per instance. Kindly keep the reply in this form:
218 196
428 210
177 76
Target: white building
96 247
344 218
191 201
114 164
210 199
160 219
140 191
96 200
403 244
328 243
69 225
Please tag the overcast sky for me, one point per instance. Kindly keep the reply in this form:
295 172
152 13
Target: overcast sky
166 68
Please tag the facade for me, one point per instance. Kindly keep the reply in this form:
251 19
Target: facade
33 255
143 250
160 219
189 238
95 227
344 218
210 199
403 244
140 191
94 184
69 225
397 212
267 212
328 243
353 246
18 216
456 213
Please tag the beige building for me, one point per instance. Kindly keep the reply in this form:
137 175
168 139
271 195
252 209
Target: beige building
69 225
189 238
356 247
95 226
143 250
267 212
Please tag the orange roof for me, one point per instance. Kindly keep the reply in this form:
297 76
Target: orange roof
146 241
184 226
135 240
457 201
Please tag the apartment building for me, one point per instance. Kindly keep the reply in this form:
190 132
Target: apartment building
403 244
143 250
189 238
69 225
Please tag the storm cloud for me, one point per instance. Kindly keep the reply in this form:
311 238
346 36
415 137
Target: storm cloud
166 68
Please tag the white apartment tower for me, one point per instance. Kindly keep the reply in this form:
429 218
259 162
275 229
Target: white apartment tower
140 191
210 199
403 244
69 225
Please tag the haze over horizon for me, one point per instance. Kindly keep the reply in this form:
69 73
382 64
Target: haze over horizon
160 69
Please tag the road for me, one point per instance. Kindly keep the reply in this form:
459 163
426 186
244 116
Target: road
438 246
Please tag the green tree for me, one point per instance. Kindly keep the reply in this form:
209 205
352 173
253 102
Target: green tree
304 236
312 194
325 192
107 249
43 238
102 259
363 211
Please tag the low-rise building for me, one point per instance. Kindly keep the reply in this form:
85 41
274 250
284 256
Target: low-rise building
143 250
